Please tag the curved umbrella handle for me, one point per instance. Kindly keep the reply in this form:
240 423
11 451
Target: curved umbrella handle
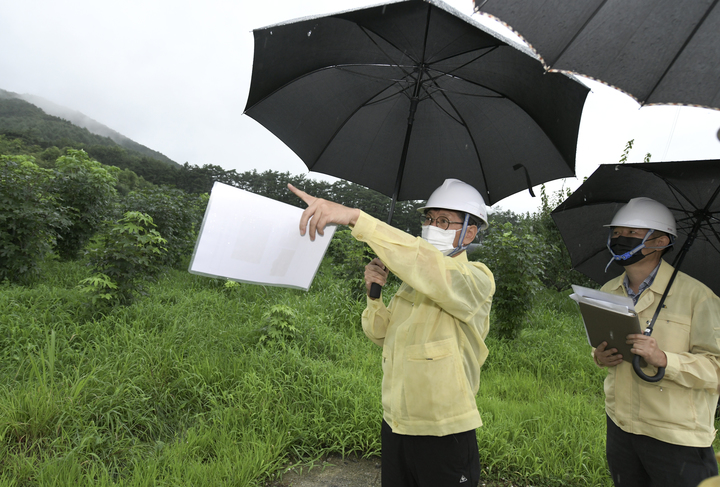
638 370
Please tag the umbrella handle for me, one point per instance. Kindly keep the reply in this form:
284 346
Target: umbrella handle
375 290
638 370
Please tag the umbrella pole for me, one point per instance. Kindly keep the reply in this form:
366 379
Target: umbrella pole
406 144
376 289
700 215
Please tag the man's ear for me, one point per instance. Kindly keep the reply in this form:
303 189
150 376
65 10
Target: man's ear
663 241
470 234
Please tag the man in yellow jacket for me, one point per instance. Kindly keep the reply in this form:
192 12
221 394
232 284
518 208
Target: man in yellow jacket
432 333
660 433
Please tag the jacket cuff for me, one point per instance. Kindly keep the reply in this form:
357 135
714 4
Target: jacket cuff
672 369
364 227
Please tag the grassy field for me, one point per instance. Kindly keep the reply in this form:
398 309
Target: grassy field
203 384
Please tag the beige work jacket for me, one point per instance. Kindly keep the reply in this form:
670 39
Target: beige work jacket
680 408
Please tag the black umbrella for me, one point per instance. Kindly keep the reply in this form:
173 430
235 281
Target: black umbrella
689 189
658 51
401 96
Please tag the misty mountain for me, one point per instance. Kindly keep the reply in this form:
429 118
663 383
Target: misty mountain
81 120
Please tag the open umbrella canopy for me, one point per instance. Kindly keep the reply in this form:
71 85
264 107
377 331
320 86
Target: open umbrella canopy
401 96
689 189
658 51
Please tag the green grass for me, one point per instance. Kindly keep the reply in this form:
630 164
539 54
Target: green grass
542 403
178 388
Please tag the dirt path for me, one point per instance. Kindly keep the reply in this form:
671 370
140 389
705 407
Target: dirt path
334 471
353 471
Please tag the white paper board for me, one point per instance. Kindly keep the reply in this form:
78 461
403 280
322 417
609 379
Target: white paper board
249 238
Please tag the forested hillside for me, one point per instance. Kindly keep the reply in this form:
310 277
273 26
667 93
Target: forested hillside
72 122
25 129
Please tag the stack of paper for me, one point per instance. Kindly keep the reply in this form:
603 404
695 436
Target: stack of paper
610 302
607 318
249 238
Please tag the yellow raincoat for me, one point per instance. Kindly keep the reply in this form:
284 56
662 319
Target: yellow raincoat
432 333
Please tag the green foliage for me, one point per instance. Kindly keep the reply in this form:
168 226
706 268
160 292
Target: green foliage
513 253
86 189
126 254
102 290
177 216
278 329
349 258
626 151
25 129
558 271
129 181
30 218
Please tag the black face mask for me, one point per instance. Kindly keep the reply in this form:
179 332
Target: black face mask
622 245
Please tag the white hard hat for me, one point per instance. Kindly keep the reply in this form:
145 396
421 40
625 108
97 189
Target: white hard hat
458 196
645 213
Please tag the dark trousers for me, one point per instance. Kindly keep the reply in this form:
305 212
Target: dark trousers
429 461
641 461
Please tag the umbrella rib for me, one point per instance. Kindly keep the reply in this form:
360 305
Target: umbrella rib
673 187
484 53
391 61
577 33
370 101
464 124
706 233
397 82
463 93
680 51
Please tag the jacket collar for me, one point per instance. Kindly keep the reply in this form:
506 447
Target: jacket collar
657 287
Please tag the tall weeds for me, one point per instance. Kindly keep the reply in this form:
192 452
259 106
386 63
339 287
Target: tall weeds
180 388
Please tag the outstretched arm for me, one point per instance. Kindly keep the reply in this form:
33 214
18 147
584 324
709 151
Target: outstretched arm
321 213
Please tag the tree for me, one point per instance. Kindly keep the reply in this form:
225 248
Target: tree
514 253
30 218
126 254
86 189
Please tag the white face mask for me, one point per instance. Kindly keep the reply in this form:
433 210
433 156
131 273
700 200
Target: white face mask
443 240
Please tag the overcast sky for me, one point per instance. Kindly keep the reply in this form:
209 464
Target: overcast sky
174 76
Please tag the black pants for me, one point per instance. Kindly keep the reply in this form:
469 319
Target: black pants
641 461
429 461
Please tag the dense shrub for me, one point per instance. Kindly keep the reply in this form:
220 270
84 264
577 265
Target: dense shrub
30 217
126 254
177 217
558 272
513 253
349 258
86 189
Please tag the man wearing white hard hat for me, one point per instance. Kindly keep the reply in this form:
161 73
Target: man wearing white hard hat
660 433
432 333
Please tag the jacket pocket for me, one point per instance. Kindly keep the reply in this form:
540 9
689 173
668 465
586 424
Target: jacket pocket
435 383
672 333
667 405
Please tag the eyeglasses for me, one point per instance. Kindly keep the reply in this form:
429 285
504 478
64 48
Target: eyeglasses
440 222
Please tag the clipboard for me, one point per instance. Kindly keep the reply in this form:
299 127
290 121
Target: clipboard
607 318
